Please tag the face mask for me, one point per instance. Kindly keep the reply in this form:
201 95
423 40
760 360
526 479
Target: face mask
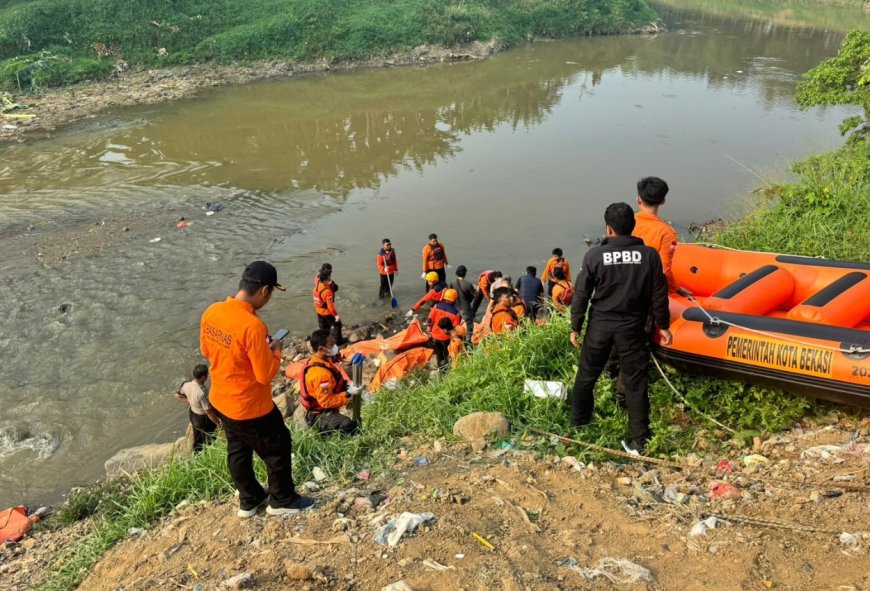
334 351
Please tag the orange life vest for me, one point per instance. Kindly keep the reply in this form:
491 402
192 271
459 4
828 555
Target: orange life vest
320 303
308 401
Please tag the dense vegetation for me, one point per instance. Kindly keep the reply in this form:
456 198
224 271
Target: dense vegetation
57 42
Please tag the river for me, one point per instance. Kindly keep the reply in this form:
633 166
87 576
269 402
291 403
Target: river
504 159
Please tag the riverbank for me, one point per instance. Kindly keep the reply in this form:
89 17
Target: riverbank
546 513
171 52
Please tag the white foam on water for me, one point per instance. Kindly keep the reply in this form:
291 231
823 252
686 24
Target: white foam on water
42 444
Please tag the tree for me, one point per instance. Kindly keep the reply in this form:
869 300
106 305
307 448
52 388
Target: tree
842 80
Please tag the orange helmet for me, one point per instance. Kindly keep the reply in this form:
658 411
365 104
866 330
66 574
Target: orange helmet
450 295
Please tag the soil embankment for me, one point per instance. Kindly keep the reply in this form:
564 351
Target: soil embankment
547 519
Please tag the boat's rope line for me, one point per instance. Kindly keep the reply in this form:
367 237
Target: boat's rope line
715 320
686 402
679 466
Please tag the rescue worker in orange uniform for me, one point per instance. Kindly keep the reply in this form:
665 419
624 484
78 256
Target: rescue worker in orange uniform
323 388
388 266
563 291
434 292
244 360
324 304
443 310
557 261
503 318
457 336
434 259
655 232
484 289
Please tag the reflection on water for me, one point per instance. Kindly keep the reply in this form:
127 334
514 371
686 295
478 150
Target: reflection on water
504 159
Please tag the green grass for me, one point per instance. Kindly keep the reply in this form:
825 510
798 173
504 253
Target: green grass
825 213
491 378
57 42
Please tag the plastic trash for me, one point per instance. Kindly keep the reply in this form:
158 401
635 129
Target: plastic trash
543 389
700 528
723 490
822 452
753 459
673 496
158 239
363 474
724 466
627 449
398 586
392 532
851 541
135 531
435 565
615 570
421 461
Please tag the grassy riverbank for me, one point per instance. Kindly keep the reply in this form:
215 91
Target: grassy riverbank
824 213
490 379
57 42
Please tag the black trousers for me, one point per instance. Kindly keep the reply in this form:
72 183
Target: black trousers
203 430
331 421
475 305
633 346
442 276
328 323
269 438
441 353
550 285
384 291
468 316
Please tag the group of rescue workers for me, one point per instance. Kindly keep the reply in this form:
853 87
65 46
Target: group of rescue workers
624 285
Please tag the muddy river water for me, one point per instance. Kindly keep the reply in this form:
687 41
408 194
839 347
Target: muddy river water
504 159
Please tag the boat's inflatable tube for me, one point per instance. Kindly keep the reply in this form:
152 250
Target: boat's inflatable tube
797 323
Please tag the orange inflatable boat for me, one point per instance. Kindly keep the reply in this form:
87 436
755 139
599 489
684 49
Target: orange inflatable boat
798 323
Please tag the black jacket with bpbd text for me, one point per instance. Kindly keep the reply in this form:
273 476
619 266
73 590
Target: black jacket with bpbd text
621 281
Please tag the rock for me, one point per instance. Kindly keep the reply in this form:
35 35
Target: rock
299 417
319 475
297 572
398 586
285 405
624 481
480 424
242 581
134 459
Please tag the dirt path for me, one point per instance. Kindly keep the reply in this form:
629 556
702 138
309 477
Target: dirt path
537 513
58 107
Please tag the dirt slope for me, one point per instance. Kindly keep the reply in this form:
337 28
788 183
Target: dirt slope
535 511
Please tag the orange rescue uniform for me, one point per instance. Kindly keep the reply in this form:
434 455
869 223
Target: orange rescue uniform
388 263
563 295
553 264
322 385
658 234
324 300
439 311
433 295
503 319
434 257
242 365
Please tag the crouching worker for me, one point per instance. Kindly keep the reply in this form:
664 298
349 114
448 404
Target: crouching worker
504 318
457 335
443 315
323 389
202 417
436 290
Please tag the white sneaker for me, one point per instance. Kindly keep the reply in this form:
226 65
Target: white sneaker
247 513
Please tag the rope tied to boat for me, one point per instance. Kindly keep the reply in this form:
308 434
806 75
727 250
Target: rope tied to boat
716 321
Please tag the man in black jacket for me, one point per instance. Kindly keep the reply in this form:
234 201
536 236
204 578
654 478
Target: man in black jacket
621 282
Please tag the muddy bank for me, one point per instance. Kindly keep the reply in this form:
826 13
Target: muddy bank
58 107
550 521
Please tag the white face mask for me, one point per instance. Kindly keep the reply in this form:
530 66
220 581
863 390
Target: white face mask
334 351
